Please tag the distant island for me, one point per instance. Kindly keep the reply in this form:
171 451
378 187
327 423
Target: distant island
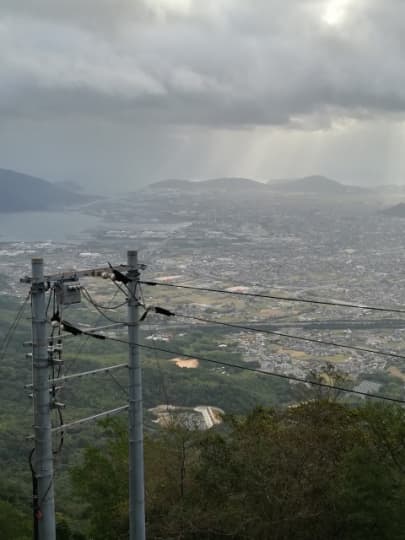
21 192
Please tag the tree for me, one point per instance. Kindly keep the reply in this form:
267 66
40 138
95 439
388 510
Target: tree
13 523
318 470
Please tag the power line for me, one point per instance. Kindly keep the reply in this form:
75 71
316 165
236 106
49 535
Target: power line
118 384
98 308
281 334
267 373
84 342
356 348
293 336
10 332
162 383
275 297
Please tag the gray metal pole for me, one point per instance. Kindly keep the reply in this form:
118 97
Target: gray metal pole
136 467
45 513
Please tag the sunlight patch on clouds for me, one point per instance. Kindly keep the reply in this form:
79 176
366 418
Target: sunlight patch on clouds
160 7
335 12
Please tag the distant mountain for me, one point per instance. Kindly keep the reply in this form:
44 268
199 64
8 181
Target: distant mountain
70 185
241 184
181 185
22 192
214 184
395 211
314 184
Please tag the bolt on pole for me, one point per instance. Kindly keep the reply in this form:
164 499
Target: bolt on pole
135 416
43 462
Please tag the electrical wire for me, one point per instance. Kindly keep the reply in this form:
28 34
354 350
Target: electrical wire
267 373
291 336
51 296
10 332
275 297
56 316
281 334
95 303
162 383
35 506
118 384
85 341
100 310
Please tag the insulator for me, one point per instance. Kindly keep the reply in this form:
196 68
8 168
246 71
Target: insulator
56 362
58 405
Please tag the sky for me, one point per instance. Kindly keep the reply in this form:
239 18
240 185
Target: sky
115 94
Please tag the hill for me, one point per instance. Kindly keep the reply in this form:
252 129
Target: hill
395 211
313 184
21 192
180 185
70 185
240 184
214 184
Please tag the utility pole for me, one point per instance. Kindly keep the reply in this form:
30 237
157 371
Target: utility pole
136 462
45 512
67 290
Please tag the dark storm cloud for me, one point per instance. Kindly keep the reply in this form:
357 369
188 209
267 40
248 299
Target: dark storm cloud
218 63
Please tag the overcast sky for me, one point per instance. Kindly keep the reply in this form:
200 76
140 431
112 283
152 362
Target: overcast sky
119 93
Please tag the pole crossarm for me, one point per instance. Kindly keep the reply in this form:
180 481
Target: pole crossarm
82 374
105 414
75 275
98 416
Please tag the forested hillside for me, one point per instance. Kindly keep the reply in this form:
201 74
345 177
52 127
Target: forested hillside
318 471
326 468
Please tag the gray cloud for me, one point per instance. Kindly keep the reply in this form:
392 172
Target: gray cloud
222 63
117 93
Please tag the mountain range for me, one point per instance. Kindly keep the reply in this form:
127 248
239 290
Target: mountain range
314 184
22 192
214 184
310 184
397 210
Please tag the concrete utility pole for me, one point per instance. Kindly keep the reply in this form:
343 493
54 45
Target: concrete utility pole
136 464
66 288
45 512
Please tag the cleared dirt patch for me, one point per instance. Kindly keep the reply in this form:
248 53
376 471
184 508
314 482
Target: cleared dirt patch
395 372
188 363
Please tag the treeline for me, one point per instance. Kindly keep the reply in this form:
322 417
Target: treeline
320 470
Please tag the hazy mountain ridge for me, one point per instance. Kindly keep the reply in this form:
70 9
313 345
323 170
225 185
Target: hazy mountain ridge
213 184
315 184
395 211
70 185
21 192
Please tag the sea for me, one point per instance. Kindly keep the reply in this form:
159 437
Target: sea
64 226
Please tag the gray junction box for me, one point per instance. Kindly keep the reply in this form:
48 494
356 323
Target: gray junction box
68 293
